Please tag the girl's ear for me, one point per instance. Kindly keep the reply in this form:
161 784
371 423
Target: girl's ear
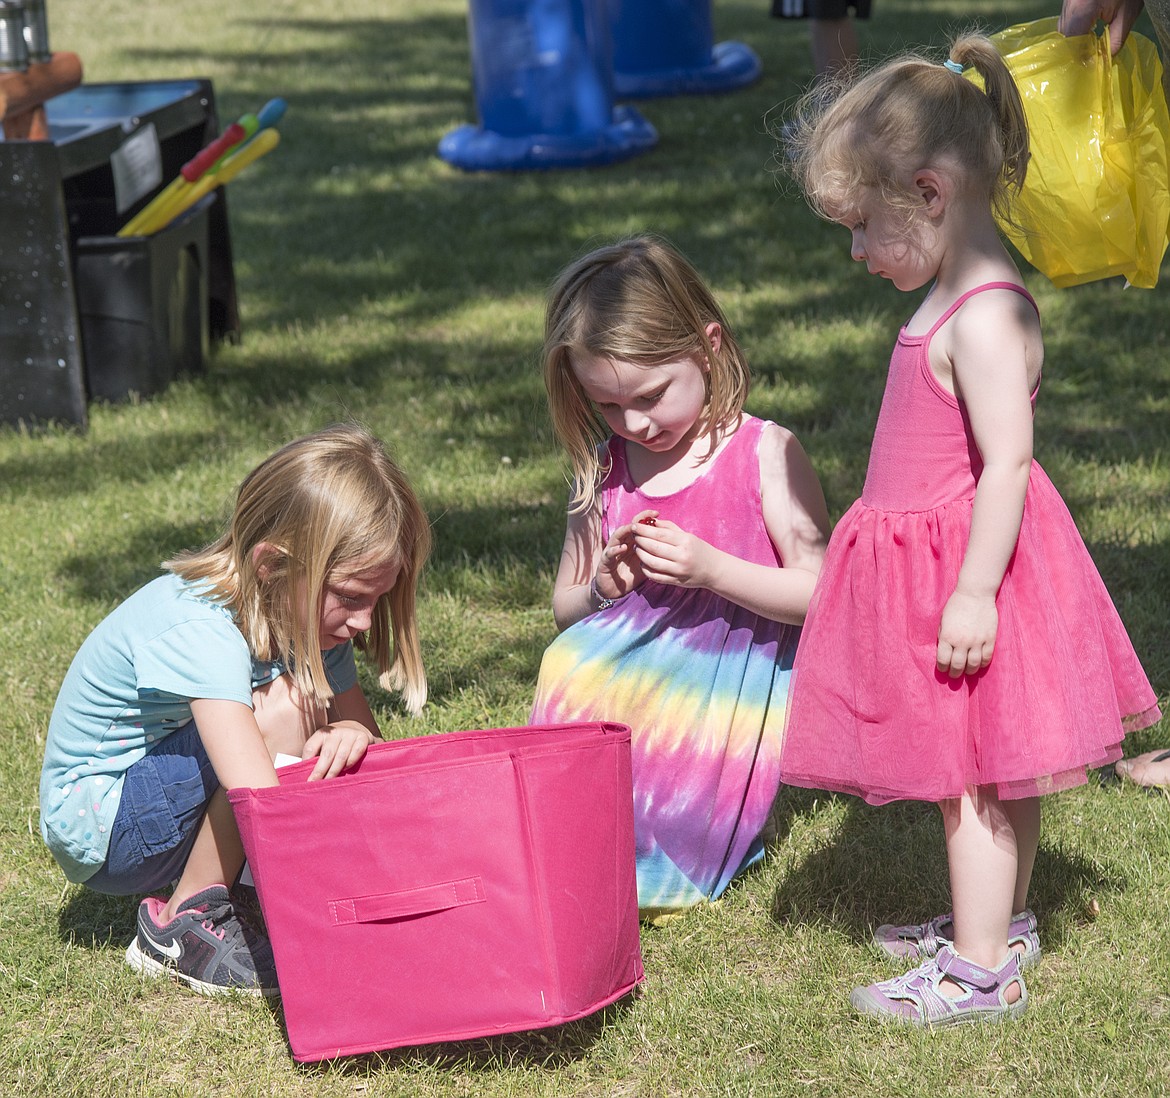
264 554
714 336
934 190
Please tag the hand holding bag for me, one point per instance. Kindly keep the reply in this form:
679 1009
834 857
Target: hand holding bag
1096 199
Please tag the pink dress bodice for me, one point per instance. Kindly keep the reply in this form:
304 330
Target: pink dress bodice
923 455
701 507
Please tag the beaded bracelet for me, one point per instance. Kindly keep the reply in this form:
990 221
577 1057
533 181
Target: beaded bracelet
602 602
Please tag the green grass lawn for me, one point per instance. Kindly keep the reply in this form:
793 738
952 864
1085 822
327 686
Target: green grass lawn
376 282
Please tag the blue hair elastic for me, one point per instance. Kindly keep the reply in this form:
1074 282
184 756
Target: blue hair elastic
954 66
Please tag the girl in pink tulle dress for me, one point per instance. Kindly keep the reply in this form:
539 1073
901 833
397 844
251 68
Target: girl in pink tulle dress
960 646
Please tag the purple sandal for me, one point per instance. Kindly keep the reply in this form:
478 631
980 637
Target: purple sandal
918 941
916 999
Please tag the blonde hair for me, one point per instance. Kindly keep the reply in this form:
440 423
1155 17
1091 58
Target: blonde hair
639 301
328 504
859 133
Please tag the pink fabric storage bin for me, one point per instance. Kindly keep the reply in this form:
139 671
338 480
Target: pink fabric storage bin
451 886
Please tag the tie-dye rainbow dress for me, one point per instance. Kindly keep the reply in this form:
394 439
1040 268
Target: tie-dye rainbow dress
701 682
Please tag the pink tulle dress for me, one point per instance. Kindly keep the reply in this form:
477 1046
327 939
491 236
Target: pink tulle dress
869 713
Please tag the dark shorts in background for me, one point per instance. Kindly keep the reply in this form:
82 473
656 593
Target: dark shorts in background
820 9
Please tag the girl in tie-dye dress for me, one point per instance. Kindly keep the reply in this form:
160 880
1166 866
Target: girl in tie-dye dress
695 535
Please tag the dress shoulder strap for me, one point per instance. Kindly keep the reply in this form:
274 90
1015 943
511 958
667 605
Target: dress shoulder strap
955 305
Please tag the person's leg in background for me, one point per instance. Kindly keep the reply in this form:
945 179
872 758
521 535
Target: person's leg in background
832 29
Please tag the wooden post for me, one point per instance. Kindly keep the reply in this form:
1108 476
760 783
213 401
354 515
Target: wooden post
23 95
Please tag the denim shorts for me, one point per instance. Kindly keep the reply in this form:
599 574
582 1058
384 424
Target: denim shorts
164 797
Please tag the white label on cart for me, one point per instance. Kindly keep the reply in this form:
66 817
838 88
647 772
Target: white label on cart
137 167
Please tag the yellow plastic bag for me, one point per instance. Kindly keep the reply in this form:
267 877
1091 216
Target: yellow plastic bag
1096 200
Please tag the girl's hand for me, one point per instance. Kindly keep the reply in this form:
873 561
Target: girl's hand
619 570
668 554
966 636
336 747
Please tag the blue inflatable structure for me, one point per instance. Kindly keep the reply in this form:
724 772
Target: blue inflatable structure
542 72
664 47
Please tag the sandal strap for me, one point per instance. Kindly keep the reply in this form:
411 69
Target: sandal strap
919 991
932 939
970 975
917 942
917 996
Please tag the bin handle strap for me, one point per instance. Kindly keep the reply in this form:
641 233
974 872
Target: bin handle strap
408 902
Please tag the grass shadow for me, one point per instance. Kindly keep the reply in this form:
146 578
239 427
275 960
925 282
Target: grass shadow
551 1048
888 865
96 921
102 577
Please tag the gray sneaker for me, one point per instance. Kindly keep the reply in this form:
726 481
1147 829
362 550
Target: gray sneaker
207 945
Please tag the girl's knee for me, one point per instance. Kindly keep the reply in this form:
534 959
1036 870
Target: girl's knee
286 719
